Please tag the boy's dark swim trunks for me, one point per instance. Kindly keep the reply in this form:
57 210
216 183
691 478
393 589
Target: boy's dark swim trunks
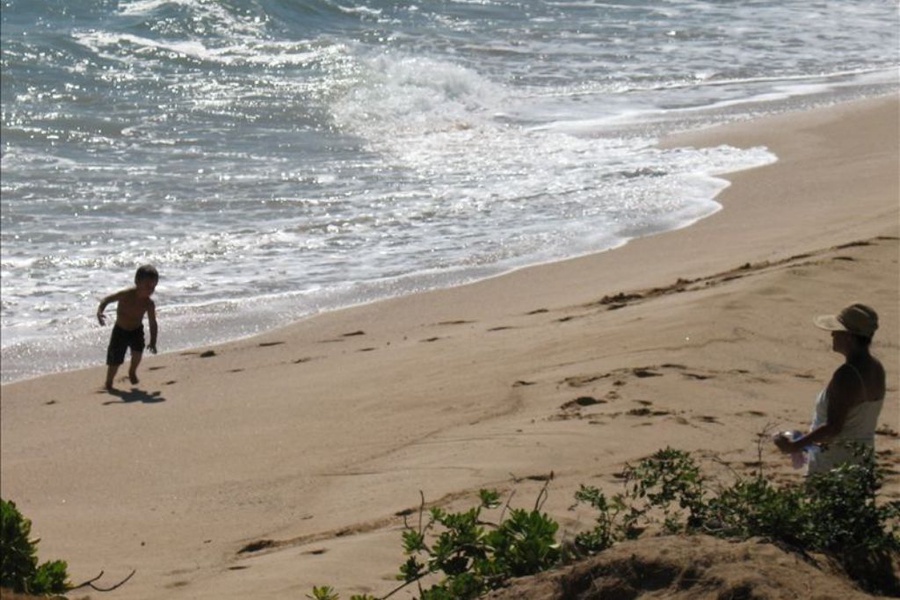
120 341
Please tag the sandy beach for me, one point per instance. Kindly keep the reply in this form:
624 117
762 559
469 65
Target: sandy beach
262 467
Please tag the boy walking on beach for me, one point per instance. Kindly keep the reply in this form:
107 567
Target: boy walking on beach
128 331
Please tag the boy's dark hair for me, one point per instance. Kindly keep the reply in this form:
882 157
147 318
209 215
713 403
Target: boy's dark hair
146 272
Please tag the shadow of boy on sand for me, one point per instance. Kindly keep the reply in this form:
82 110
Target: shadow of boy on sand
134 395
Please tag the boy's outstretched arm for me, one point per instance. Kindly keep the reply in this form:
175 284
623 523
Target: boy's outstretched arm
154 329
103 303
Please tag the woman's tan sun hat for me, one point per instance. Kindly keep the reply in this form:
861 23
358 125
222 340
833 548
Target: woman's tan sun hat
857 319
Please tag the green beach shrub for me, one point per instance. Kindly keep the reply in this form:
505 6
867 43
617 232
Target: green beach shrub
474 556
834 513
20 570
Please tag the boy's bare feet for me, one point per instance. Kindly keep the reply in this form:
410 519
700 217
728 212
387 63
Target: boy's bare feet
109 386
132 377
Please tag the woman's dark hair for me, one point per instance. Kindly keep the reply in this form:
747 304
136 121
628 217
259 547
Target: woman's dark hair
862 340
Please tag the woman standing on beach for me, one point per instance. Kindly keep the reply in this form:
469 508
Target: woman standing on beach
847 409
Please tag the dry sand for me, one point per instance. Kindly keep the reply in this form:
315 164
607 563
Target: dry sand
305 443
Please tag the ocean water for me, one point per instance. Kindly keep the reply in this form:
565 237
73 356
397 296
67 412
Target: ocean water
279 158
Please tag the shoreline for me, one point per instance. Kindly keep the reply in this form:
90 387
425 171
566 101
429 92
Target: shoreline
449 280
313 438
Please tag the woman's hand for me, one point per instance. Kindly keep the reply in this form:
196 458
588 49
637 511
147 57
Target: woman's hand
785 441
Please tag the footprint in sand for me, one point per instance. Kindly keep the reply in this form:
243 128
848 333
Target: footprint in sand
642 372
646 412
257 546
345 335
572 408
708 419
582 380
752 413
582 401
697 376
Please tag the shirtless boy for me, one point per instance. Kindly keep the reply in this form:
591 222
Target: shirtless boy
128 331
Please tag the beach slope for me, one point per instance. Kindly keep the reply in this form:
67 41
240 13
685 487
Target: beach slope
262 467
